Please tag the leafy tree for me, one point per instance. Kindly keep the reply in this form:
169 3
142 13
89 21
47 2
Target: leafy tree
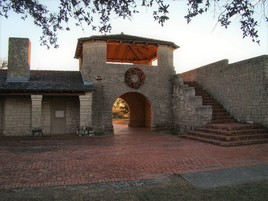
242 8
120 109
97 13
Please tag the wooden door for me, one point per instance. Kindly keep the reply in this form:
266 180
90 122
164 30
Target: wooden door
58 118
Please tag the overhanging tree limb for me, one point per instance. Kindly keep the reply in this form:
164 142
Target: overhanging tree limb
97 13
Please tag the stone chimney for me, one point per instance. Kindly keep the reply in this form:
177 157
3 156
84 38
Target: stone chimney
19 55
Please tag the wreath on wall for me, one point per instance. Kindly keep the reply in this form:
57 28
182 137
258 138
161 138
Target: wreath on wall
134 77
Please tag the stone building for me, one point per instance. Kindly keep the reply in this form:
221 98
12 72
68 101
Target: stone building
140 71
55 101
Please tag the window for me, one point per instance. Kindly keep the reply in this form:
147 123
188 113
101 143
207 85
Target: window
59 113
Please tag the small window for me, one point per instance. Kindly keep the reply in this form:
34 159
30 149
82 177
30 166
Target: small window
59 114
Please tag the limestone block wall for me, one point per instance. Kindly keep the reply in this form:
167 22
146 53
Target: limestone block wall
188 110
46 115
36 112
1 114
148 116
241 87
17 116
85 110
157 87
72 114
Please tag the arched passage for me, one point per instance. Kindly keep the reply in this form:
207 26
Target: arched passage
140 109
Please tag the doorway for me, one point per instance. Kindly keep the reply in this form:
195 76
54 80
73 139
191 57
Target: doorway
58 117
137 108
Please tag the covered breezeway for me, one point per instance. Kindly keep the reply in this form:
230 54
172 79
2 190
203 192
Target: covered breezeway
140 112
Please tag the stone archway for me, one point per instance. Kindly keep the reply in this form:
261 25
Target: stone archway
104 62
140 109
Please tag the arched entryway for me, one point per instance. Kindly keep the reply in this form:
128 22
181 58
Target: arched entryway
140 112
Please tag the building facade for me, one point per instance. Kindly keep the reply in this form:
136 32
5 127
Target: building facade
137 69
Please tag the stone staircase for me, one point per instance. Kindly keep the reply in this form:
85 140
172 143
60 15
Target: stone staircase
224 130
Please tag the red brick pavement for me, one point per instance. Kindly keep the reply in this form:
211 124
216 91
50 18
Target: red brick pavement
134 154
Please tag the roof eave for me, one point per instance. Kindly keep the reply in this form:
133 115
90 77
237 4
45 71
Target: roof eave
80 41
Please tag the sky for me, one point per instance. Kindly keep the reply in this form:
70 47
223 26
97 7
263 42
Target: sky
201 42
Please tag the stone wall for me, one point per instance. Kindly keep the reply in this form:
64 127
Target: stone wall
157 87
148 114
15 119
1 114
17 116
46 115
241 87
188 110
72 114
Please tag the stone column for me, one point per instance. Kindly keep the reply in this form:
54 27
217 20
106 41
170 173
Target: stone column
165 56
36 113
85 114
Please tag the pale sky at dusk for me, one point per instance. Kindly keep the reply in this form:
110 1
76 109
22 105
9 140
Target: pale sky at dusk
201 42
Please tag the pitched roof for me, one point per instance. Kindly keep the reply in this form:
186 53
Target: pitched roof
122 38
46 81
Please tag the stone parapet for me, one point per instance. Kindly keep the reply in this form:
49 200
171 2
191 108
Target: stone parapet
188 110
242 87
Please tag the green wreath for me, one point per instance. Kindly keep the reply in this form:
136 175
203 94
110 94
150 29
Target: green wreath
134 77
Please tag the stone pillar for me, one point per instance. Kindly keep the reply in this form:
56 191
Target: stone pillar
165 56
85 114
36 113
93 60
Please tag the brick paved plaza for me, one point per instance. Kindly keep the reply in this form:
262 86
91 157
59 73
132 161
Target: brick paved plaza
132 154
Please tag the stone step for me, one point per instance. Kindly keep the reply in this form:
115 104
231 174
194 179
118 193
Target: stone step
221 115
223 121
213 104
203 93
233 132
205 97
210 141
219 110
227 138
234 126
224 130
227 144
245 142
211 101
216 118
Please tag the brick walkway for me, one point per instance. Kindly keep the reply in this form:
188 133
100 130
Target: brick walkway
138 155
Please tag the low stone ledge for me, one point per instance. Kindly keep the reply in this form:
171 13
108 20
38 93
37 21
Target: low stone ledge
85 131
